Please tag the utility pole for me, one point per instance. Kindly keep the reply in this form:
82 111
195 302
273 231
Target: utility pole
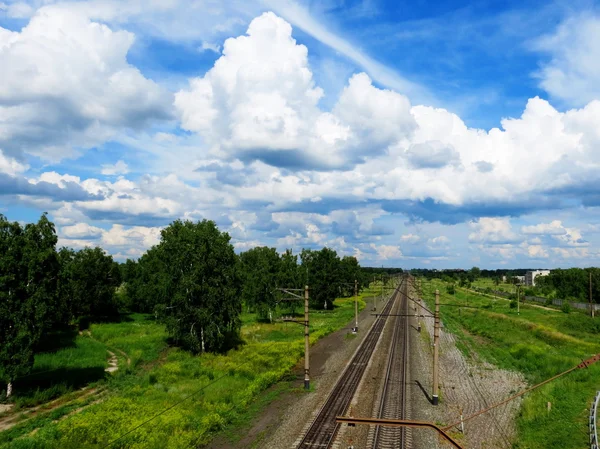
518 300
355 305
295 297
591 302
436 348
306 341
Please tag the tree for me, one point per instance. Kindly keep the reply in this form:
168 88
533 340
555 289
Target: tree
260 272
202 302
323 276
146 281
349 272
28 284
91 277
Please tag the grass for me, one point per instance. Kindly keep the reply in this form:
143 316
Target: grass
539 344
224 387
489 282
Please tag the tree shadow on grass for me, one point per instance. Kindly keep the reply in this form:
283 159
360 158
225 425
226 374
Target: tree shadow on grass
42 386
56 340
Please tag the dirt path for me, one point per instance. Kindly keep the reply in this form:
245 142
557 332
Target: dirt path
20 416
113 361
9 419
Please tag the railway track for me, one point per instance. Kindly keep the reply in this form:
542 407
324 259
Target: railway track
393 402
323 430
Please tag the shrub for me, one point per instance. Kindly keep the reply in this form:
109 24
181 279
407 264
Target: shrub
513 304
548 302
451 289
566 307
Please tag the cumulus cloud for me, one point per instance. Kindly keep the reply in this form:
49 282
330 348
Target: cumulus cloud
11 166
69 85
260 101
119 168
553 228
81 231
492 231
410 238
386 252
432 154
571 75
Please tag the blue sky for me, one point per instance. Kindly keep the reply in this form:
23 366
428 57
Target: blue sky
412 134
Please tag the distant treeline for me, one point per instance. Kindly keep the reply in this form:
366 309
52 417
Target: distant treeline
193 281
572 284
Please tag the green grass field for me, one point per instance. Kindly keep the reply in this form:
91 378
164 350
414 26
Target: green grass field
488 282
540 344
224 387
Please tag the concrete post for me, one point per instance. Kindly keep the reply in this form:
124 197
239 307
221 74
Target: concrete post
355 305
306 342
436 349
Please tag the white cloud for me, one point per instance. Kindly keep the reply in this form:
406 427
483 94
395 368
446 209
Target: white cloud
410 238
553 228
259 101
18 10
492 231
11 166
69 86
386 252
211 46
299 16
537 252
81 231
573 71
119 168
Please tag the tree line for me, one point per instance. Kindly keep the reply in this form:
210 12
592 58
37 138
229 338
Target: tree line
192 280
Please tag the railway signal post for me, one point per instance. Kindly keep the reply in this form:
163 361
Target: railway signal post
436 349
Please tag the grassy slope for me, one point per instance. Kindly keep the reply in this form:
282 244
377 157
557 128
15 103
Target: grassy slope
540 344
159 376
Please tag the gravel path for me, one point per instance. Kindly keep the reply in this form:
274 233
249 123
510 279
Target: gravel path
469 385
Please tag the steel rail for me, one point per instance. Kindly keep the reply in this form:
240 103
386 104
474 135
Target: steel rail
593 420
324 428
393 398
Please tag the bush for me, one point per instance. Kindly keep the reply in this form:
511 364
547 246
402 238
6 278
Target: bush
513 304
566 307
451 289
548 302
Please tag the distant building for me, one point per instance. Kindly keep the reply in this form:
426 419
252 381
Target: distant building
531 275
520 279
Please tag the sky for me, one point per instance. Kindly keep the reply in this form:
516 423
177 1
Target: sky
435 134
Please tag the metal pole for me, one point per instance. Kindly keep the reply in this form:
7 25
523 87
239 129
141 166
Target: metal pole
436 349
518 300
355 305
306 341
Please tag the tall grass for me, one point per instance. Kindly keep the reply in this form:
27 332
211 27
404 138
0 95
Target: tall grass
539 344
226 384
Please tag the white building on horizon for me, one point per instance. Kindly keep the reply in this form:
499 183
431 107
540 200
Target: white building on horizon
531 275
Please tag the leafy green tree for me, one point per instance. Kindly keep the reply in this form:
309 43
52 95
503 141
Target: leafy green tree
323 276
91 278
146 281
202 300
349 272
260 272
28 284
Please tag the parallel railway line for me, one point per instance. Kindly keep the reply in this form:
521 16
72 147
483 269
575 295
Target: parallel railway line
393 402
323 430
